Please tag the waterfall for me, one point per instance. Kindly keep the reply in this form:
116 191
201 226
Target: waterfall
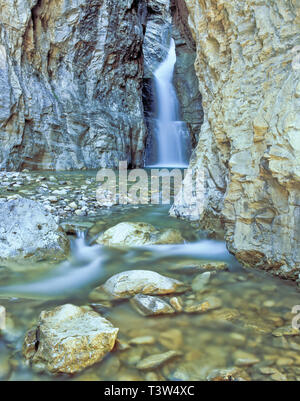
170 145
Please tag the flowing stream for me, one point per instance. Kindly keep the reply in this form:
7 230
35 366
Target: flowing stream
253 305
171 140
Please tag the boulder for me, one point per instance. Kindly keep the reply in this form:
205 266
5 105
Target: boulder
129 283
29 232
128 234
69 339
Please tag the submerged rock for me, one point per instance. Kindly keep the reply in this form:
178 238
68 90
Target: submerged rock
229 374
205 305
201 281
242 358
129 283
286 331
155 361
171 339
148 305
181 268
29 232
128 234
69 339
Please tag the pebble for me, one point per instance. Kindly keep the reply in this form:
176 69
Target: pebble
176 302
157 360
200 282
171 339
148 305
242 358
146 340
206 305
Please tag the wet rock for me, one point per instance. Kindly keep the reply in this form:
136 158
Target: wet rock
286 331
284 362
171 339
267 371
30 344
128 234
169 236
145 340
73 228
278 376
69 339
200 282
157 360
122 345
152 377
29 233
176 302
226 314
217 266
184 269
206 305
132 282
148 305
181 268
229 374
242 358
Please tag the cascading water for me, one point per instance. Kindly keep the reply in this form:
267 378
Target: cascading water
171 143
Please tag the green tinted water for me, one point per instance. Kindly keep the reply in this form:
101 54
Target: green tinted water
254 304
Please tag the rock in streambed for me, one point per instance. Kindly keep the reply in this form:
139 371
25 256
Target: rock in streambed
129 283
28 232
68 339
128 234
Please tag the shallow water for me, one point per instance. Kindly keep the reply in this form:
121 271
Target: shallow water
254 304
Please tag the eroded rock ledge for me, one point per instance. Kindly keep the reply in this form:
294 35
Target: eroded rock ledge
249 144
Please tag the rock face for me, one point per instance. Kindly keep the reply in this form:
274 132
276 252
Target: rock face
69 339
249 144
29 233
72 74
129 283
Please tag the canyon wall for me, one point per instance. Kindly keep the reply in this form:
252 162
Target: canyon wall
249 145
71 83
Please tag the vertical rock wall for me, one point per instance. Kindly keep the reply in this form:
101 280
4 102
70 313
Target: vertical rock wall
249 145
70 84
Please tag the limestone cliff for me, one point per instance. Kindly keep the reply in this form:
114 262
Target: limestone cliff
70 83
249 145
